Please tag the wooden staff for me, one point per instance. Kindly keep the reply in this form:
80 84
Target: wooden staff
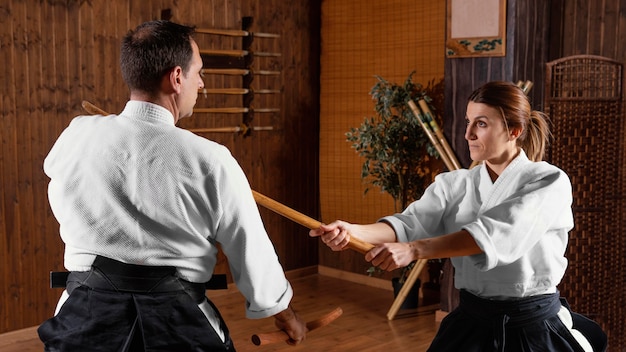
238 72
236 53
224 52
235 33
92 109
280 335
236 91
234 110
233 91
242 128
442 139
297 217
225 71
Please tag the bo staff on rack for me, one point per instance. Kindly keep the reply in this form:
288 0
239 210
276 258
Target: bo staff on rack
243 129
235 33
234 110
236 53
356 244
238 72
236 91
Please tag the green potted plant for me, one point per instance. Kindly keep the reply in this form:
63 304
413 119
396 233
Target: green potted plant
398 156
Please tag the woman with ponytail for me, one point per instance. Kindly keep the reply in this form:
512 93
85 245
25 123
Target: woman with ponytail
504 224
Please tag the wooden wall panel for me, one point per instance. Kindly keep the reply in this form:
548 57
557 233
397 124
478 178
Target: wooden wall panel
359 41
57 53
527 50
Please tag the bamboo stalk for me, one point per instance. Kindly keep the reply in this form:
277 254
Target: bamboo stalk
433 139
433 132
442 139
527 87
404 291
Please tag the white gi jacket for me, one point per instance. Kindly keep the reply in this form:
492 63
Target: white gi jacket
136 188
521 222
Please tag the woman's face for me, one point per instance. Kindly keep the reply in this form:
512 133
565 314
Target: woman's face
487 136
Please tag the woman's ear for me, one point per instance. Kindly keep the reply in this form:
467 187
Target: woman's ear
516 132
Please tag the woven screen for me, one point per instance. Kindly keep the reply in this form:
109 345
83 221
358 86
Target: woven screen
361 39
584 100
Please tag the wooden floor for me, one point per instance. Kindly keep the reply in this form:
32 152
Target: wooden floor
362 327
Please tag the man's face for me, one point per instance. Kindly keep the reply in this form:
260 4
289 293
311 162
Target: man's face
191 82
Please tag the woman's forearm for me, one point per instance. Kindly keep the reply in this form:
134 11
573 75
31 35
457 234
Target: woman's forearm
456 244
375 233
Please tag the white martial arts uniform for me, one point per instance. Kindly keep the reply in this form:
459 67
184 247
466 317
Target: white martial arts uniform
135 188
521 222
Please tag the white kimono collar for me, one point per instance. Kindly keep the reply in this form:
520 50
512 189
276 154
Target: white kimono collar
491 190
143 110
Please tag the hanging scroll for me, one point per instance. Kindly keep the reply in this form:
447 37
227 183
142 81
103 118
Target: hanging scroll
476 28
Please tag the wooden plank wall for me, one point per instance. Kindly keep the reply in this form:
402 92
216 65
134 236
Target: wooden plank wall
537 32
57 53
527 48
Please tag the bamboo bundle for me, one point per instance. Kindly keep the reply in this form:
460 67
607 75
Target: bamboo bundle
436 137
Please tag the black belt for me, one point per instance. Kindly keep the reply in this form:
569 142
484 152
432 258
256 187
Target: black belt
111 275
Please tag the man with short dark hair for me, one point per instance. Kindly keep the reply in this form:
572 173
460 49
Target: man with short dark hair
142 206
